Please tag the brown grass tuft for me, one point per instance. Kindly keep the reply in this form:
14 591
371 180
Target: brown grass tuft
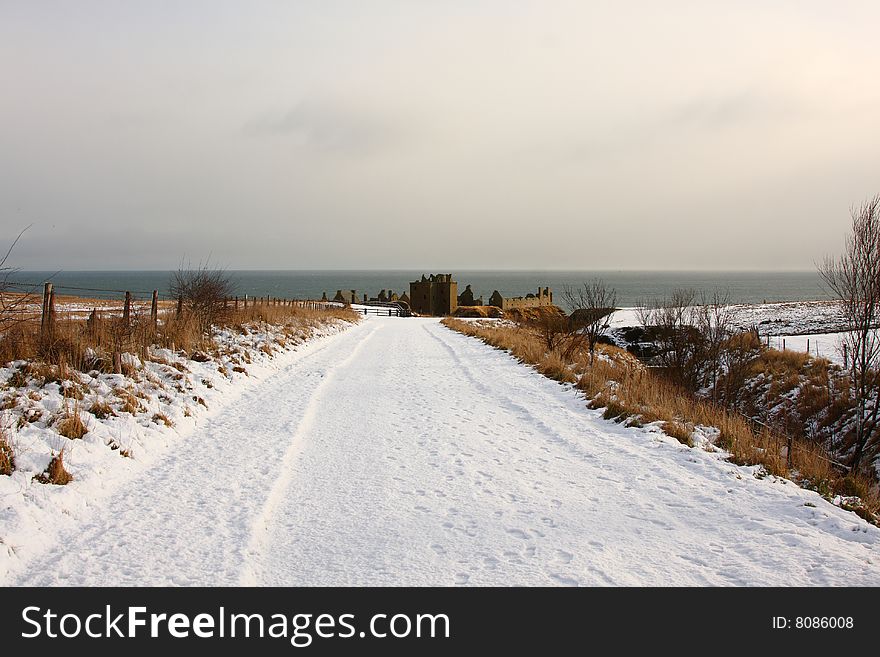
55 472
71 425
101 409
128 402
680 431
161 418
7 456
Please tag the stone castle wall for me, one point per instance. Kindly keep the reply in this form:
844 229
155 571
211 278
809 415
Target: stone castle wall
544 297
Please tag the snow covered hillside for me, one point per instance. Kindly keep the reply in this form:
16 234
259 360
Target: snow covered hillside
399 452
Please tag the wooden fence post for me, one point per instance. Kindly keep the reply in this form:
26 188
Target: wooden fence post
126 309
44 318
154 310
179 306
236 303
51 322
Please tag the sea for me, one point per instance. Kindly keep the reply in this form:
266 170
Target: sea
632 287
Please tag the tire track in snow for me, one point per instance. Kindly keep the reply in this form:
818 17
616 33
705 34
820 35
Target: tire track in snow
186 518
259 532
553 435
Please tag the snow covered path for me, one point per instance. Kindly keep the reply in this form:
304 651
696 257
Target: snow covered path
399 452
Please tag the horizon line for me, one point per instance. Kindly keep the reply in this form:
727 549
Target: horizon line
437 269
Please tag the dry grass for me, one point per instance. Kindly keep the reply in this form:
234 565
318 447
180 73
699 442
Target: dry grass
55 472
680 431
618 382
128 401
85 346
101 409
71 425
7 456
161 418
478 311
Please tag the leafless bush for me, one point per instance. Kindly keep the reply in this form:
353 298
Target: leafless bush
592 305
854 279
690 332
203 291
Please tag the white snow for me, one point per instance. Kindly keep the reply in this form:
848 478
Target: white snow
184 391
776 319
795 323
401 453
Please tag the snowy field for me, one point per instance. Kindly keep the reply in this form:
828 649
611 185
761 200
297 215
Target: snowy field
824 345
796 323
401 453
775 319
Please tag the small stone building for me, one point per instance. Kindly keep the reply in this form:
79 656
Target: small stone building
346 296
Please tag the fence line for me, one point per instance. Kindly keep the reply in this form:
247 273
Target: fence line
48 313
35 286
790 442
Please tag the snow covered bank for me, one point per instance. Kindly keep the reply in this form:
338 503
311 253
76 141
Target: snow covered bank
131 421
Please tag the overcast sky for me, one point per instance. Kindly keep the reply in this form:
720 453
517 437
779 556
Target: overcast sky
443 134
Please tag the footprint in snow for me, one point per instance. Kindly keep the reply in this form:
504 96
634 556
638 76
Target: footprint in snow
564 557
563 580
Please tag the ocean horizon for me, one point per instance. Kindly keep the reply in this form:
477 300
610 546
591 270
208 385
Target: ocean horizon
632 287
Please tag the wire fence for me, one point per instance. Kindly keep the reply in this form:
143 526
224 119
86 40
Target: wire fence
33 287
23 302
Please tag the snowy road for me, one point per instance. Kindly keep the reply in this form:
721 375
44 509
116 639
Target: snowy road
399 452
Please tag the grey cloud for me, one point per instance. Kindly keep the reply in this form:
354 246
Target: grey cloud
698 117
710 113
331 127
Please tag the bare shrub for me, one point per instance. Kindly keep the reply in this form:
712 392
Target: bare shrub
854 279
203 292
592 305
691 332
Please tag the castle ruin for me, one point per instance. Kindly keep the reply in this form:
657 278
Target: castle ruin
466 298
345 296
435 295
544 297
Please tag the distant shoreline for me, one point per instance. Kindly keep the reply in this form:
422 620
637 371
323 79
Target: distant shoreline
632 287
